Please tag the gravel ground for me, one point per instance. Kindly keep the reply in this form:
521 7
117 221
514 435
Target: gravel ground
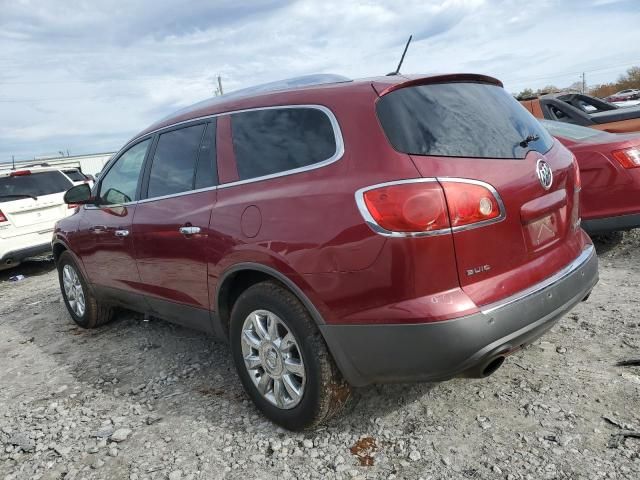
149 400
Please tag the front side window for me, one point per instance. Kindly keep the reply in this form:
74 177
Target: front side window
120 183
460 120
174 161
280 139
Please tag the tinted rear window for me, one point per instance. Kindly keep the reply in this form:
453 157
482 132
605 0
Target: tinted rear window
276 140
36 184
459 120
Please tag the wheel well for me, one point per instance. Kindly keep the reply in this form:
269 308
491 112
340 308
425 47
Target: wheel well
232 288
58 248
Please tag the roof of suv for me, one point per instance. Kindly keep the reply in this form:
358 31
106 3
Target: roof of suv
292 91
5 172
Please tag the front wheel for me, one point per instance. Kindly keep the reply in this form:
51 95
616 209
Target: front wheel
282 359
83 307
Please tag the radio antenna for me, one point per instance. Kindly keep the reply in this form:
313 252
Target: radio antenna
402 58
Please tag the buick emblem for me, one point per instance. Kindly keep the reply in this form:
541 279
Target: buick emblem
545 175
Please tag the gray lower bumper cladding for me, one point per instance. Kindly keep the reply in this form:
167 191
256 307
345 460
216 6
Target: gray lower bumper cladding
464 346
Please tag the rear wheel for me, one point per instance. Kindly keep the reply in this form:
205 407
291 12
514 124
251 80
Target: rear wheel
282 359
83 307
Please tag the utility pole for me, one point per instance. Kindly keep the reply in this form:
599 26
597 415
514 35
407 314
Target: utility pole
13 162
218 91
584 83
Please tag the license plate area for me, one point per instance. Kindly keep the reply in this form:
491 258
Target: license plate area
543 231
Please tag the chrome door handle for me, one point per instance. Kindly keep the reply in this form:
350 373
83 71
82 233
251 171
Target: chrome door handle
98 229
121 233
189 230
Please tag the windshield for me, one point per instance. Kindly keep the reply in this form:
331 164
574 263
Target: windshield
460 120
567 130
32 185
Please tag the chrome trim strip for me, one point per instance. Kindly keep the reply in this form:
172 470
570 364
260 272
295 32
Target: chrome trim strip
99 207
499 218
583 258
369 220
179 194
337 133
334 121
364 211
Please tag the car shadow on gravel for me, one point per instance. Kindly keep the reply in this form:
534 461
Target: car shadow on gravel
606 242
29 268
178 371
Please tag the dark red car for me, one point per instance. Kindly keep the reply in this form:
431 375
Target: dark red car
610 171
337 233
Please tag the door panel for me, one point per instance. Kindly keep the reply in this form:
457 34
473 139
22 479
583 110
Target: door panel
106 250
173 265
170 231
104 239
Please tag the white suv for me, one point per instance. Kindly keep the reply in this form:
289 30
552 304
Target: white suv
31 202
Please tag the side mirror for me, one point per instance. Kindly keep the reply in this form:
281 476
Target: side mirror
78 195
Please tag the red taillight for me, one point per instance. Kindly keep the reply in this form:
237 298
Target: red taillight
430 205
20 173
470 203
72 205
408 207
2 217
628 158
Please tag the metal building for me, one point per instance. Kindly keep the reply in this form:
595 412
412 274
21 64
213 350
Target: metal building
89 164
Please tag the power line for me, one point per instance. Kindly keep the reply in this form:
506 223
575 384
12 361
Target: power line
567 74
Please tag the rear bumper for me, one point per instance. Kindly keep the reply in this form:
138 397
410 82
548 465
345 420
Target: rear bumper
463 346
611 224
14 257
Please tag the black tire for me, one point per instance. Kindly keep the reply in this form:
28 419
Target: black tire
325 392
95 313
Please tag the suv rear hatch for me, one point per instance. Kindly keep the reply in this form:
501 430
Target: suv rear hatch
31 201
469 127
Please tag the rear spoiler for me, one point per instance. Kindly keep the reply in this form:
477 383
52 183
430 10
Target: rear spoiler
383 89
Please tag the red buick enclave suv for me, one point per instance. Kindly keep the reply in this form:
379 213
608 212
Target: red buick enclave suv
338 233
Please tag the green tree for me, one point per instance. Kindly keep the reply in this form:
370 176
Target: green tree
527 92
631 79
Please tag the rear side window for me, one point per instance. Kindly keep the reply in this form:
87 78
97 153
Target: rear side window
32 185
206 171
75 175
280 139
174 161
460 120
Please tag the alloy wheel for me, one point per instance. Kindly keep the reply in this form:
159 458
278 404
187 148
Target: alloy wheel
273 359
73 290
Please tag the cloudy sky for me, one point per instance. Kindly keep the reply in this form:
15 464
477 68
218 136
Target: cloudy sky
86 76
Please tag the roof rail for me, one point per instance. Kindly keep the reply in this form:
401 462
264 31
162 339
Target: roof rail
289 83
279 85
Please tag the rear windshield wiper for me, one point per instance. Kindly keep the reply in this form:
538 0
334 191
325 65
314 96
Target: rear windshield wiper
19 195
531 138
